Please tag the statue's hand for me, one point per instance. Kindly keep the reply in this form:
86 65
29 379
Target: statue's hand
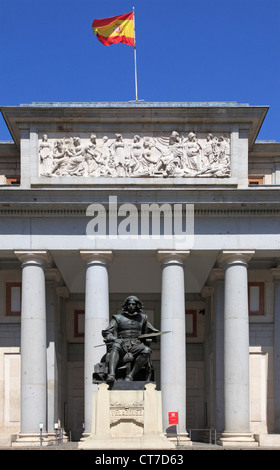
119 341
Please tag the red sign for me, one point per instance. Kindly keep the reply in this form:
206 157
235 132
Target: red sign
173 417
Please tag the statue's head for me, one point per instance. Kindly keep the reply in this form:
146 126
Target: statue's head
132 305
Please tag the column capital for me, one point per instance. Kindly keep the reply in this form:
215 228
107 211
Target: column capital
62 291
207 291
166 257
275 272
97 256
34 258
217 274
52 274
235 257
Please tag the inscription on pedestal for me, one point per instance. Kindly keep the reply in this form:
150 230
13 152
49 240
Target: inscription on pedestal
127 412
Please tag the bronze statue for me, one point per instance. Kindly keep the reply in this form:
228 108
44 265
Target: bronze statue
125 344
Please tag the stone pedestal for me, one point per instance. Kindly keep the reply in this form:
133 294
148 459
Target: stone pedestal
126 419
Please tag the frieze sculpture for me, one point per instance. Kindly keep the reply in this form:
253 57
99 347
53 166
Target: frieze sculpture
140 156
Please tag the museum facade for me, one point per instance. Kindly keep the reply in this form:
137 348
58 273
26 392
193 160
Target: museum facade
176 203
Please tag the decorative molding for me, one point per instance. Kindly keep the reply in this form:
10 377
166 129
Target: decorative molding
9 287
174 155
193 324
81 212
261 297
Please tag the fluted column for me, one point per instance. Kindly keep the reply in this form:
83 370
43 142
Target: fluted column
33 342
96 318
236 349
173 344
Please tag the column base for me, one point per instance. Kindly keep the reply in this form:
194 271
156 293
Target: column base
149 442
232 439
36 440
180 441
85 436
31 440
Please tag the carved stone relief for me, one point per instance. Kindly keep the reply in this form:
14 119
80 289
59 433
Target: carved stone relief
127 412
140 156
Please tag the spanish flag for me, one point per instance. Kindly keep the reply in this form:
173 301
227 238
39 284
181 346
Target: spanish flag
115 29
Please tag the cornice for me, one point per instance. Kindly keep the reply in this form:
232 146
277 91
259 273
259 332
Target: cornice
244 115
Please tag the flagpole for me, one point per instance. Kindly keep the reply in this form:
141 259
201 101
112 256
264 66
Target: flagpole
135 66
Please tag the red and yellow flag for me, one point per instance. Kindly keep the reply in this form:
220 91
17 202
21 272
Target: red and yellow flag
115 29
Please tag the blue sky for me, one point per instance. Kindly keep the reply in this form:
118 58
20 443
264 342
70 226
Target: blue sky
199 50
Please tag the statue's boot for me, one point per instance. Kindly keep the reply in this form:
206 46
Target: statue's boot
113 361
139 363
110 378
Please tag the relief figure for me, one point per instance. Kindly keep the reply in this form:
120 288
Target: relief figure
76 162
45 154
193 152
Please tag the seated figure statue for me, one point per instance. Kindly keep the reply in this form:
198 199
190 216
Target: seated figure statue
123 342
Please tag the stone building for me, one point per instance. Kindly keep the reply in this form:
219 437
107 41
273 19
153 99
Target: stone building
177 203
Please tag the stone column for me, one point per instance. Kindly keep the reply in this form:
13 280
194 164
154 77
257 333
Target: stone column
216 279
62 295
52 279
33 343
236 349
207 292
96 319
173 344
276 357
